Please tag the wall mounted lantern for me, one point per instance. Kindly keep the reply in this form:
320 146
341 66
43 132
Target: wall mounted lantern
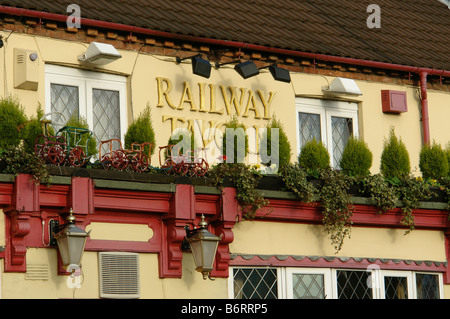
200 66
279 74
70 241
203 246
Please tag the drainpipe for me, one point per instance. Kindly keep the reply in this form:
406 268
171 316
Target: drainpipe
424 101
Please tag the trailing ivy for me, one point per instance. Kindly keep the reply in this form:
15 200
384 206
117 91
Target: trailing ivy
337 205
245 178
16 160
380 192
296 180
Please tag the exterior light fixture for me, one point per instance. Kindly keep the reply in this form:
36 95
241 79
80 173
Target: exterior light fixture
203 246
279 74
342 86
70 241
100 54
245 69
200 66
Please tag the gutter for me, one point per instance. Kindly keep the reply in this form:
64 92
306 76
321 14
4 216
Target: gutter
422 72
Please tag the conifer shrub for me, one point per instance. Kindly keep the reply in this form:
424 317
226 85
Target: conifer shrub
283 152
12 115
356 158
394 158
433 161
314 156
447 152
235 136
141 131
33 129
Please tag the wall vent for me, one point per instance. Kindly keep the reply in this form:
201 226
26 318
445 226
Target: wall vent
119 275
37 272
393 101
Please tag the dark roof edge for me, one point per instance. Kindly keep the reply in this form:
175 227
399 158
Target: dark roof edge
226 43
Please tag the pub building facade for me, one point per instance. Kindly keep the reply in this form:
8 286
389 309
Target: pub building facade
316 72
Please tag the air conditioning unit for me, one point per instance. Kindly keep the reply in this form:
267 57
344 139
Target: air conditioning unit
26 69
119 275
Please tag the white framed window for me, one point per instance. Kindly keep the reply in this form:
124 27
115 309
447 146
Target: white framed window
330 283
99 98
331 122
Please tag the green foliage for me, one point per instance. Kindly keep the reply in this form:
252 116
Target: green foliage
356 159
394 158
33 129
238 132
380 192
433 162
411 191
314 156
337 205
12 115
245 179
447 152
283 152
91 143
16 160
141 131
296 180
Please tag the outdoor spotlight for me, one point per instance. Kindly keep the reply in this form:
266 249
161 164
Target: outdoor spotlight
247 69
70 241
203 246
280 74
342 86
99 53
200 66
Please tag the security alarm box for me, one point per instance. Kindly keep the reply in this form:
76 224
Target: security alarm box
393 101
26 75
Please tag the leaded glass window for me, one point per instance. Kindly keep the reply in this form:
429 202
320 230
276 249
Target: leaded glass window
353 284
427 286
64 100
255 283
341 131
106 109
308 286
309 127
396 287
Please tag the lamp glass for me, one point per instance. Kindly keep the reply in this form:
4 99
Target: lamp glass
203 247
71 242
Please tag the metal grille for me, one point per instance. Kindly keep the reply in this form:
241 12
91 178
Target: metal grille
427 286
308 286
309 127
353 284
256 283
341 131
396 287
119 275
106 109
65 100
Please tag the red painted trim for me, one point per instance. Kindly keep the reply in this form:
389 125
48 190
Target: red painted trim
321 262
225 43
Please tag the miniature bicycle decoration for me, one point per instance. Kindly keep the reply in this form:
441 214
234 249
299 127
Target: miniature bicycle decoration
117 157
189 163
67 146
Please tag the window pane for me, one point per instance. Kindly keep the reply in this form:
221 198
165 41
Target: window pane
341 131
309 127
308 286
396 287
427 286
65 100
106 109
257 283
353 284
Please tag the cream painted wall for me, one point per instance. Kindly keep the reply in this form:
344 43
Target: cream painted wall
142 71
17 286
